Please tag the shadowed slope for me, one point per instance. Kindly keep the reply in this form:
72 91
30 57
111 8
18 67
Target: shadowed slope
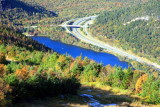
30 9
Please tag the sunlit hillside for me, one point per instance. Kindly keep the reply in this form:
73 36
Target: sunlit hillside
133 28
33 74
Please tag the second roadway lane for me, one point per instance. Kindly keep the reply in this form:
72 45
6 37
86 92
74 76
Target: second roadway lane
89 39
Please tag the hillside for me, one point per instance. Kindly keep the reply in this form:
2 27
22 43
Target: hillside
10 37
23 71
26 72
26 13
32 73
133 29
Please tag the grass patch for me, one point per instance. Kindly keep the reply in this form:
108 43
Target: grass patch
107 95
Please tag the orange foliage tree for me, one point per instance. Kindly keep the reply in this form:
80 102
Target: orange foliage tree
22 73
1 69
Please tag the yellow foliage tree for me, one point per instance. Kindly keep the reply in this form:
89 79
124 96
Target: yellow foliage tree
140 82
61 59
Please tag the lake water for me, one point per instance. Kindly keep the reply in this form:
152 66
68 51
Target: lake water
76 51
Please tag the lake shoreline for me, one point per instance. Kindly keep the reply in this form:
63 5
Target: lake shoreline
131 63
94 55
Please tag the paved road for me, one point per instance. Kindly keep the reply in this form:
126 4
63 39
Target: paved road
89 39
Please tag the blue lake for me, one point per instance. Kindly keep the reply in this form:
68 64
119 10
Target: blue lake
76 51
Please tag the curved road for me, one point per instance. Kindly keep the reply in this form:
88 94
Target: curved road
89 39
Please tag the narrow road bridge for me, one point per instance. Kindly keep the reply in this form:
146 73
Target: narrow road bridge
89 39
77 26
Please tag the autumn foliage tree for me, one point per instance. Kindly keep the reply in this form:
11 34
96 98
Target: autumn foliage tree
5 89
1 70
2 58
22 73
140 82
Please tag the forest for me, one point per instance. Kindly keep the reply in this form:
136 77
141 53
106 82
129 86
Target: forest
25 72
24 13
28 68
133 29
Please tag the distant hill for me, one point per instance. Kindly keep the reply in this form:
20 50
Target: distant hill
126 14
133 28
11 37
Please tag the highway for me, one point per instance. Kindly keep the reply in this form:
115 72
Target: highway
89 39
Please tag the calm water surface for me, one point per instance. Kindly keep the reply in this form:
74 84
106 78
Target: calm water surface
76 51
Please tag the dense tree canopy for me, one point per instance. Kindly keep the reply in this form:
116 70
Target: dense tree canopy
24 73
132 28
28 68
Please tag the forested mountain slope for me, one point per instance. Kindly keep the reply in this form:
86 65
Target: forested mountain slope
48 14
10 37
28 71
27 74
24 74
133 28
